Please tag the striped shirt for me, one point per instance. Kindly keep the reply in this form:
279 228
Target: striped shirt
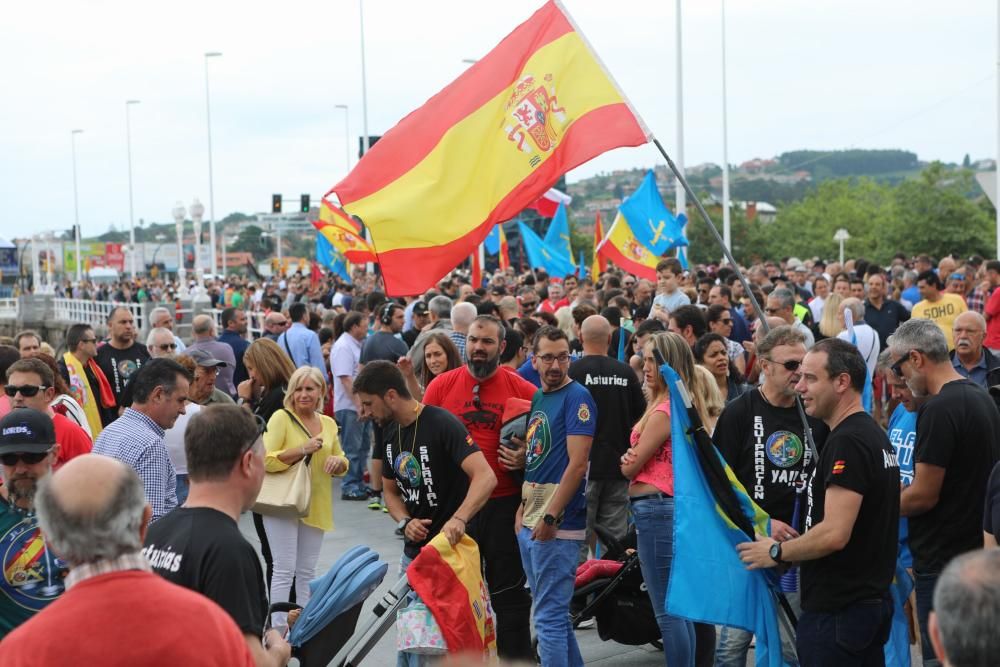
138 442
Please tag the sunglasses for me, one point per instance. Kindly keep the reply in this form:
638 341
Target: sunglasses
27 390
10 460
167 346
897 368
475 397
88 340
791 365
771 311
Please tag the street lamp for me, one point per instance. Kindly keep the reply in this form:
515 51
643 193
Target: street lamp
131 215
347 136
211 192
179 212
197 211
841 235
76 209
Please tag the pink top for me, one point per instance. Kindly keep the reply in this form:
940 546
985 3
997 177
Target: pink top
659 469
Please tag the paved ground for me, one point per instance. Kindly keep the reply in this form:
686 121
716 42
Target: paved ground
355 524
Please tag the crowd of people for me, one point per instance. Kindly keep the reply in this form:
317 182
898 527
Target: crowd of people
411 402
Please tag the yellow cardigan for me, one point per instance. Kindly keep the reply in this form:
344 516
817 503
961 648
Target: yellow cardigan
283 434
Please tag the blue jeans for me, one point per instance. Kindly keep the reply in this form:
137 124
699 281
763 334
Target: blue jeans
854 635
551 571
182 489
654 525
731 649
923 585
355 446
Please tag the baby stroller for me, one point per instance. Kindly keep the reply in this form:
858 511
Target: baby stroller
611 590
326 626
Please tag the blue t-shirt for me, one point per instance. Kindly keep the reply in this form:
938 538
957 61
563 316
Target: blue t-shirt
903 436
528 372
569 410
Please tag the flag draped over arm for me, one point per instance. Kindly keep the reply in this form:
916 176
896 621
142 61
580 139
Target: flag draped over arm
712 514
485 147
540 256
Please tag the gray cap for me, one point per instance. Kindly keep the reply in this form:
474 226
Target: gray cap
203 358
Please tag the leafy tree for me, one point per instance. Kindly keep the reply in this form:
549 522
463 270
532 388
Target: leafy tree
251 239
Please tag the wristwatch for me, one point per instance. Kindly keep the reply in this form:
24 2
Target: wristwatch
775 552
402 523
550 520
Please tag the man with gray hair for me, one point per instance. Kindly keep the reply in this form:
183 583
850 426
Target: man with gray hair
967 611
781 303
958 441
160 343
970 358
161 318
204 333
462 315
93 514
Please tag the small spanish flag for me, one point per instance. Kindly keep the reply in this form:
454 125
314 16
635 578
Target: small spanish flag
838 467
600 263
450 582
489 144
622 247
343 233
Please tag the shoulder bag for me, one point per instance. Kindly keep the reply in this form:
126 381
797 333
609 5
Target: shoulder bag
286 494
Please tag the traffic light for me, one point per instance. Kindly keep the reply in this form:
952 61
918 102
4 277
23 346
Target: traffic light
275 203
304 203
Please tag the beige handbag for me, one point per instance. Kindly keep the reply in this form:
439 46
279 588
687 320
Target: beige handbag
286 494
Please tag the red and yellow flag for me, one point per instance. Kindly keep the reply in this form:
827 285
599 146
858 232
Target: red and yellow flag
504 256
600 264
485 147
450 582
344 234
624 249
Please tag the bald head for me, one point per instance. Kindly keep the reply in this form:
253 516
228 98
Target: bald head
857 308
595 329
772 323
969 332
93 508
202 326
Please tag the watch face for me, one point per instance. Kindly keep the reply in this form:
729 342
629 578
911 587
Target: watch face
775 551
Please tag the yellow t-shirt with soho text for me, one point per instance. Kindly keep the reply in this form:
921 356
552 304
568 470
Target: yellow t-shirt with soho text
942 312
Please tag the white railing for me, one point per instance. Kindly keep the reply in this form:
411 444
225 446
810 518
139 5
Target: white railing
95 313
9 309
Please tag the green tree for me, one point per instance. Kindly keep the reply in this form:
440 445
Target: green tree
252 240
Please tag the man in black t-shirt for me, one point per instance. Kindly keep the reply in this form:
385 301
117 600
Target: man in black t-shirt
958 441
122 355
199 546
436 479
618 395
848 552
760 435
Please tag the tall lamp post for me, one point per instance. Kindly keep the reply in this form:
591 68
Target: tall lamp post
347 136
211 192
131 214
841 235
197 211
179 212
76 210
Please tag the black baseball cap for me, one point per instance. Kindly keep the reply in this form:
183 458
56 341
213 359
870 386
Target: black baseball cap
26 431
419 308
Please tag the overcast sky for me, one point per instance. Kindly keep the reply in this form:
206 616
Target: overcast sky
819 75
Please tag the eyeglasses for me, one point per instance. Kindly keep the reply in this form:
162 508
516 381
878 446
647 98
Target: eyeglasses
727 321
27 390
547 359
529 304
166 346
791 365
10 460
475 397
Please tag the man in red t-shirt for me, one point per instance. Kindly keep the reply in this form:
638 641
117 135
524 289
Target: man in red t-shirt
477 393
31 384
555 299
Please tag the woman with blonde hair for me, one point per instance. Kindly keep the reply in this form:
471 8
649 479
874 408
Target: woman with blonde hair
829 325
649 465
297 432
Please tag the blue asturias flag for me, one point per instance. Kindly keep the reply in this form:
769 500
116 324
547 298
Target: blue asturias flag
492 242
708 582
328 256
651 221
541 256
557 236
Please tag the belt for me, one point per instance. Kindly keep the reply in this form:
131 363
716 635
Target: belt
650 496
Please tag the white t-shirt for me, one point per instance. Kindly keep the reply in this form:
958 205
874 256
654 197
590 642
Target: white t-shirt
867 344
174 439
672 301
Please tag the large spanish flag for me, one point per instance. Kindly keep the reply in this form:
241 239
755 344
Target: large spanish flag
450 582
488 145
622 247
344 234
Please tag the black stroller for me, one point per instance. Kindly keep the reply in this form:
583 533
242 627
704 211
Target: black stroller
619 603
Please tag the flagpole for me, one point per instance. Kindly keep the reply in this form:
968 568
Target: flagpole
726 230
681 202
369 267
739 274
